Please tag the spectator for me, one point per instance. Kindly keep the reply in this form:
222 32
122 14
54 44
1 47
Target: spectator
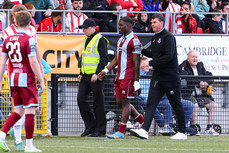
168 6
109 23
165 78
75 19
143 25
41 5
3 21
30 6
65 4
189 24
127 58
52 24
201 6
196 90
151 5
214 23
222 23
129 5
94 60
99 5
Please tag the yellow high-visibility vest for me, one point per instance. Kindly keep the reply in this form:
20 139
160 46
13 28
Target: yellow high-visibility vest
90 55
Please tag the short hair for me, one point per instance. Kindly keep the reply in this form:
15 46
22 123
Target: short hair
216 10
23 18
224 4
160 17
127 19
76 0
186 3
29 6
18 8
113 6
54 14
143 59
8 5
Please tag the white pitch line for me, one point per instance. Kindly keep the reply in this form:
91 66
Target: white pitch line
132 148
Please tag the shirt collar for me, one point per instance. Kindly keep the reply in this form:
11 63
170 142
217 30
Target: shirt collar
129 35
160 31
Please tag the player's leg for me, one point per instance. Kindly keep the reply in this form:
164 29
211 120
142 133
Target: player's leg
13 118
30 104
29 129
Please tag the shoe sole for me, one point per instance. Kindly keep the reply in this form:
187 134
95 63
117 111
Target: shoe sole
137 135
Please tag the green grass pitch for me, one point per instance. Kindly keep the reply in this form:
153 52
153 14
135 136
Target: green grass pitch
130 144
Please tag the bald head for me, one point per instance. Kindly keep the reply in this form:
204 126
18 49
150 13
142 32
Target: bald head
193 58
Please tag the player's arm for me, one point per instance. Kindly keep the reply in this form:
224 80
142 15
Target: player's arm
112 65
36 70
3 59
136 60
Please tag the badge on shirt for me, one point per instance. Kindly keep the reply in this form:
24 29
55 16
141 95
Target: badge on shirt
88 49
159 40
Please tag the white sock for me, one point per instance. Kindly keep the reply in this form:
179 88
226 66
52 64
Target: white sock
29 143
17 129
2 135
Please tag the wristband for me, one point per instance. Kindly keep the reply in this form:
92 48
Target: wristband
136 85
106 70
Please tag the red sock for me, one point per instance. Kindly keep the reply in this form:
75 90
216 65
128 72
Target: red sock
122 128
29 125
140 119
10 121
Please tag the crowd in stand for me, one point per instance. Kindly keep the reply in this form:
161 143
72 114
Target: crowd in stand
184 22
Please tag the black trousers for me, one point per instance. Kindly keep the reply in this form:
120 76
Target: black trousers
95 118
156 91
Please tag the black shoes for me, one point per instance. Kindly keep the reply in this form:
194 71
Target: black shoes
96 134
87 131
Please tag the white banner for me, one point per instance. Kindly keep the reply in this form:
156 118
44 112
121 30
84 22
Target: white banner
213 52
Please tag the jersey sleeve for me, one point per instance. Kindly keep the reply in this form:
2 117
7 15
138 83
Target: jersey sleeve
31 47
136 46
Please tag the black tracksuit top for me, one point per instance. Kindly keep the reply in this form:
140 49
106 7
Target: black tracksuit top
163 52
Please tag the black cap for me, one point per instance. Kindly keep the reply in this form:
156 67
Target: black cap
87 23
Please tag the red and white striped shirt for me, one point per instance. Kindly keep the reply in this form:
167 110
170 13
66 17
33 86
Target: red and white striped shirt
173 7
126 47
73 22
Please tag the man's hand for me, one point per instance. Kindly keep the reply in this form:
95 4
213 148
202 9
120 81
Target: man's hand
79 78
101 75
42 87
48 13
94 78
203 85
137 87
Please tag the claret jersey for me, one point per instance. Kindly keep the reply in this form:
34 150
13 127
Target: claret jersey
19 47
126 47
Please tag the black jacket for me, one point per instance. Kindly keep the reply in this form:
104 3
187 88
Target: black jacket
185 69
109 24
139 26
163 52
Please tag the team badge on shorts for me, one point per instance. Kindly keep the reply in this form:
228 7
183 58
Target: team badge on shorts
123 92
